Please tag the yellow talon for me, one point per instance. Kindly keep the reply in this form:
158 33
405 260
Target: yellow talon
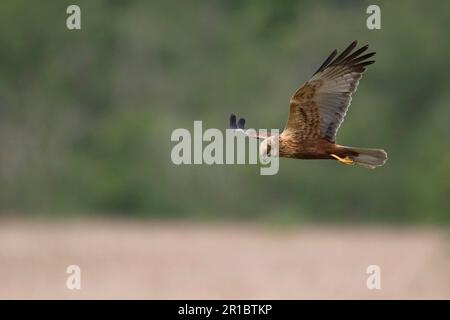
347 160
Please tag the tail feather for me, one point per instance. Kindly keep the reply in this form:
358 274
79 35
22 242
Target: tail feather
369 158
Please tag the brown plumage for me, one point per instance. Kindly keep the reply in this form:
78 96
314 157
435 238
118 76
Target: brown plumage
317 110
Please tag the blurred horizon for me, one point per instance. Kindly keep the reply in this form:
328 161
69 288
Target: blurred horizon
86 116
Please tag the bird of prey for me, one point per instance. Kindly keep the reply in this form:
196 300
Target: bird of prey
317 110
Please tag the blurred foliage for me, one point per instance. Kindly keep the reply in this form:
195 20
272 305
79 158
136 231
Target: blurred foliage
86 116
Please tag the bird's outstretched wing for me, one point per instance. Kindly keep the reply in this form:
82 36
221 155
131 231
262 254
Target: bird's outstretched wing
318 108
240 126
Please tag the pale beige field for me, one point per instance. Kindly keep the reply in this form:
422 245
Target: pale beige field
178 260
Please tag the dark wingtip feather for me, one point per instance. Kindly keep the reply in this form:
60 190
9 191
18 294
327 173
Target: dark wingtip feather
327 61
241 123
363 64
355 54
361 58
233 124
345 53
356 59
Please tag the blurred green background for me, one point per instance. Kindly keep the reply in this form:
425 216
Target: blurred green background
86 116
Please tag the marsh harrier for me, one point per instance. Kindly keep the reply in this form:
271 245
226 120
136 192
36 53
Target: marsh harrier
317 110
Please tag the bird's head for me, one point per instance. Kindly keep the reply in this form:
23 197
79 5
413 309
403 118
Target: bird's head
268 148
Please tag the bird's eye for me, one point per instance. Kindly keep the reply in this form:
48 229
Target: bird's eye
268 149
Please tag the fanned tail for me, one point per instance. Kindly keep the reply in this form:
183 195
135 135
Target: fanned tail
369 158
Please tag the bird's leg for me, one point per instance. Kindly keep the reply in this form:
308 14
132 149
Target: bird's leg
347 160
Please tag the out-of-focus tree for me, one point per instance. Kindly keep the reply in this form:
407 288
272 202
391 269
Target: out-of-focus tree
86 115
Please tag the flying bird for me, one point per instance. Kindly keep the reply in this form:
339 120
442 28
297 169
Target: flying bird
316 112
